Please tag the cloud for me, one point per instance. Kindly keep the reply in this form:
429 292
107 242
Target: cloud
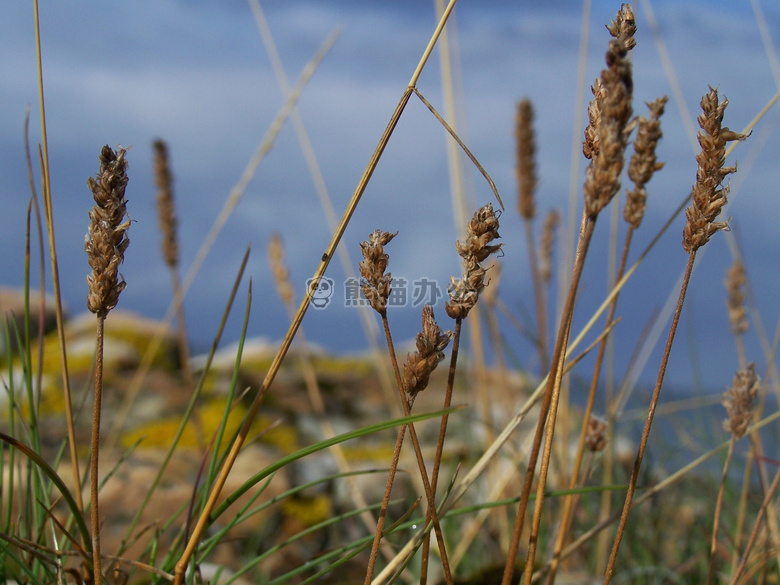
196 74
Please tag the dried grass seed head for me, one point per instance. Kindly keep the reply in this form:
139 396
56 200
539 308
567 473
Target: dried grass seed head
624 26
740 399
280 273
375 283
431 343
464 292
708 197
735 281
607 144
166 209
643 162
525 144
551 221
106 239
596 435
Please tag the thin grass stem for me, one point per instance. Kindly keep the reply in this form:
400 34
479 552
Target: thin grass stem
648 422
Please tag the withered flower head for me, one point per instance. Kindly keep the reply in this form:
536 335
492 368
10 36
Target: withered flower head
166 210
525 145
708 196
735 281
546 249
281 275
464 292
606 135
596 436
106 240
624 26
740 399
375 283
431 343
643 162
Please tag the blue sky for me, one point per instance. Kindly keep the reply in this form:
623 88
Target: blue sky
197 75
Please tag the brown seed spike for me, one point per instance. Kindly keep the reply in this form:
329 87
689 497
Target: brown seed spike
708 197
740 399
525 170
624 26
106 240
643 162
166 210
606 136
431 343
376 284
464 292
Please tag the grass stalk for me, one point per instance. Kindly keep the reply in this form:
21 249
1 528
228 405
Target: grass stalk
429 493
55 273
94 509
440 442
754 533
716 516
648 422
554 390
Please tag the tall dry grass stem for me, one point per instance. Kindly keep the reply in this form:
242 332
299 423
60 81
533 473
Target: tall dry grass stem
708 198
376 287
55 271
464 293
605 141
105 245
192 544
641 168
167 221
527 181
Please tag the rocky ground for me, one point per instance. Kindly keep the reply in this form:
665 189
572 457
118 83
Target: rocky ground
354 396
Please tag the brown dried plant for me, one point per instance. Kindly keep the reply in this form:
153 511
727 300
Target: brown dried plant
525 170
708 198
739 401
106 240
166 209
166 219
551 221
735 282
641 169
105 244
708 195
605 142
376 285
481 230
431 343
643 162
